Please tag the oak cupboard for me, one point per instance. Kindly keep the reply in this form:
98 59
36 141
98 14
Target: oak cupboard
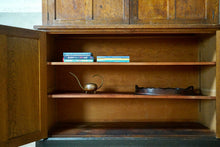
87 12
40 100
170 44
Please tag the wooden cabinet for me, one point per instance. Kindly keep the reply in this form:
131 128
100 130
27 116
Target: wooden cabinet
86 12
40 99
73 12
174 12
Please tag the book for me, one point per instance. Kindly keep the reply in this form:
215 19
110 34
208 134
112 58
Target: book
77 54
118 57
78 60
78 57
113 61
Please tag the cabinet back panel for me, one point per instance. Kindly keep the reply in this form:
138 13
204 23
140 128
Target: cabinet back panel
139 49
124 78
126 110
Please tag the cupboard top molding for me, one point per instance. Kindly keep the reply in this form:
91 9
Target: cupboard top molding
130 29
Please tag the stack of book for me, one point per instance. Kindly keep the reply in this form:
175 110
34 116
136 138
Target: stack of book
77 57
113 59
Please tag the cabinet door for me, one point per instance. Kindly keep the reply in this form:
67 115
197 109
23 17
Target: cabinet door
86 11
23 92
174 11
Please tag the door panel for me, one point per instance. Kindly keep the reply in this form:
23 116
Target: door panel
152 9
191 9
174 12
23 110
25 94
3 90
87 11
73 9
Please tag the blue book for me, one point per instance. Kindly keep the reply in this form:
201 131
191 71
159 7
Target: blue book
77 54
112 56
78 57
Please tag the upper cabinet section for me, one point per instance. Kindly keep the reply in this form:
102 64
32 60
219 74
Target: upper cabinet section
86 12
174 11
80 12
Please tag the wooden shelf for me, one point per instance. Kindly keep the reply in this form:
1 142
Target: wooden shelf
130 129
138 63
130 29
129 96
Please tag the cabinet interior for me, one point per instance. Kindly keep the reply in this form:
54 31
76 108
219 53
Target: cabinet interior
173 48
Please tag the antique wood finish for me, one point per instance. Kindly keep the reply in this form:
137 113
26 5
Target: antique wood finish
129 96
137 63
3 90
87 12
131 29
207 51
91 109
174 12
126 110
25 79
218 85
131 129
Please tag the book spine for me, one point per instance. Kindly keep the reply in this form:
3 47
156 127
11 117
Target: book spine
77 54
113 61
78 57
79 60
127 57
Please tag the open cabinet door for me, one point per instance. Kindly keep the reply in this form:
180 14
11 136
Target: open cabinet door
23 89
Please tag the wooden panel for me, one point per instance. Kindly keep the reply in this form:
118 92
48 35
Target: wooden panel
140 49
123 29
136 63
152 9
191 9
73 9
124 79
26 87
3 90
126 96
174 12
207 110
126 110
87 12
24 90
45 19
218 85
111 11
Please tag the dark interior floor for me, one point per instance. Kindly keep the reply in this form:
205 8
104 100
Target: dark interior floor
130 135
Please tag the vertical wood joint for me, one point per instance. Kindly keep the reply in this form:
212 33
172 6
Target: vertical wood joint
48 16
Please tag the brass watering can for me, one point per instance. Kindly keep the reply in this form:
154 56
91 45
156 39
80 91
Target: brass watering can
89 87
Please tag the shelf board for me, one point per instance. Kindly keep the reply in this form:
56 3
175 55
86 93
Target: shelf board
137 63
130 29
130 129
128 96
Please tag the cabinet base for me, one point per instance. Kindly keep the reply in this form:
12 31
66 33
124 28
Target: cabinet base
130 142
